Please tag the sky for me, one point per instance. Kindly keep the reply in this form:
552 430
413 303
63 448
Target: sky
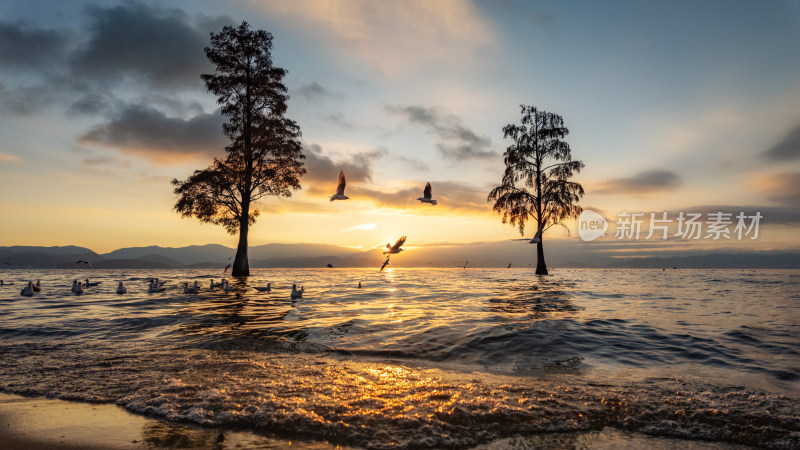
673 106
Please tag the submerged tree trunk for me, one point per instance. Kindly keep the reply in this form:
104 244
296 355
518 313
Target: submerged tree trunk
541 266
241 268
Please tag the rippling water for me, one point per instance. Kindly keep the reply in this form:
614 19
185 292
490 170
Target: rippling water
421 357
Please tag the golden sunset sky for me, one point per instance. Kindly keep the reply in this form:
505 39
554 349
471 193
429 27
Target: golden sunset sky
672 105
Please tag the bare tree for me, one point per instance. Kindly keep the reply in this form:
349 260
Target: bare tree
532 162
264 157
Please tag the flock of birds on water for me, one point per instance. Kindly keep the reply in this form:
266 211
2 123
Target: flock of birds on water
155 285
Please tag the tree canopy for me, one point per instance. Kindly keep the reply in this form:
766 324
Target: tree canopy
535 184
264 157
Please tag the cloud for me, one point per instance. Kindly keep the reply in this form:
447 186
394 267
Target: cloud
362 227
782 187
150 133
160 47
451 195
7 158
315 91
786 150
91 70
456 141
322 172
651 181
394 38
23 47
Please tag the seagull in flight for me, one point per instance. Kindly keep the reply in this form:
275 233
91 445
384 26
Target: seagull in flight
393 249
426 195
339 195
226 268
385 263
85 262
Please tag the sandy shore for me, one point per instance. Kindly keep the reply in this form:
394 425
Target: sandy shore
44 424
41 423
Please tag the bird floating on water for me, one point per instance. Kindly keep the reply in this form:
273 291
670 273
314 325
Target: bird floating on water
91 284
394 249
194 289
2 283
297 293
121 289
154 287
227 286
359 285
264 289
77 287
426 196
339 195
27 290
38 286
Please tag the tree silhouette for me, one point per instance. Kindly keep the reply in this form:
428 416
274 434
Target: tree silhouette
531 163
264 156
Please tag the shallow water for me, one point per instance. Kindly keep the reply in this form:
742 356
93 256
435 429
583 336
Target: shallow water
421 357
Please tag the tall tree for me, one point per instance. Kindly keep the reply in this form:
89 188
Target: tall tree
264 156
539 160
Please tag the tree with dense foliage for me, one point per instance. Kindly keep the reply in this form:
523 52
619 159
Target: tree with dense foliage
540 160
264 156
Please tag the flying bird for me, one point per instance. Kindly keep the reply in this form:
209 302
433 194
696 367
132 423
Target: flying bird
509 266
84 262
226 268
385 263
393 249
339 195
465 265
426 196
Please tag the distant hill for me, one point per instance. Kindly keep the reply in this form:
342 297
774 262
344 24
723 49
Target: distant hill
560 253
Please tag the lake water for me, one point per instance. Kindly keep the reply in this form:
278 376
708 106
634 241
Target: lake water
422 357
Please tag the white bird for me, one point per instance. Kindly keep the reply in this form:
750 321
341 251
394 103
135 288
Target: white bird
190 290
38 286
339 195
27 290
393 249
296 293
264 289
228 287
154 287
78 288
75 286
91 284
121 289
426 196
160 283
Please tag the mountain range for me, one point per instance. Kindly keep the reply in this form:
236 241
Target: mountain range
559 253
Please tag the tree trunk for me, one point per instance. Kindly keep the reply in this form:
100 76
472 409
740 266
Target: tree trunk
241 268
541 266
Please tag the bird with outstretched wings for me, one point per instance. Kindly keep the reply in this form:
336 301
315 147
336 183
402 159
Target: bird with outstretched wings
393 249
339 195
